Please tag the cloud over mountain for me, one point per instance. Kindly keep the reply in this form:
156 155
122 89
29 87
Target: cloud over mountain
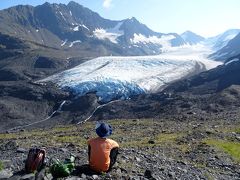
107 3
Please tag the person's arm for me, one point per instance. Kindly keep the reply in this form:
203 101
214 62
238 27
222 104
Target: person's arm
113 157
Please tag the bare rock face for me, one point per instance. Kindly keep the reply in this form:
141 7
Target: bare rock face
23 103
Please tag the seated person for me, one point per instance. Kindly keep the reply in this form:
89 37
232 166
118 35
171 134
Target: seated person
102 151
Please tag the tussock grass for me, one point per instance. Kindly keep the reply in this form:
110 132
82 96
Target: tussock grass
8 136
77 140
238 130
1 165
163 138
229 147
159 140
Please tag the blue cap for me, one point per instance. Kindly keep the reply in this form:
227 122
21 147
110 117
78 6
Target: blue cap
103 130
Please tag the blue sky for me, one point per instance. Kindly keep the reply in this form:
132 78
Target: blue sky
205 17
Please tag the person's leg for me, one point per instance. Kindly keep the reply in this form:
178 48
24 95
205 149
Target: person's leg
113 157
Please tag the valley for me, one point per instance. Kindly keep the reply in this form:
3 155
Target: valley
172 99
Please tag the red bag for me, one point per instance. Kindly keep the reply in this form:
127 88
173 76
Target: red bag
35 160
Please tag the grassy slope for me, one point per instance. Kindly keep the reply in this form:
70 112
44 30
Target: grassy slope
133 133
177 140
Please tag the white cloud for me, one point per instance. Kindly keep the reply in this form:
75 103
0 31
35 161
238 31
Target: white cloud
107 3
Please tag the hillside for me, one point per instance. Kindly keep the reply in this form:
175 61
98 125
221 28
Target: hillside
152 149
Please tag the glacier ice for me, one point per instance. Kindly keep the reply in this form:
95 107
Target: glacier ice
122 77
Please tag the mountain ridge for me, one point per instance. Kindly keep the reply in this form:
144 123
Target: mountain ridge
62 25
228 51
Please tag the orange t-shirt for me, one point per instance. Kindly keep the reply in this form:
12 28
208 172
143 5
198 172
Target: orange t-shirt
100 153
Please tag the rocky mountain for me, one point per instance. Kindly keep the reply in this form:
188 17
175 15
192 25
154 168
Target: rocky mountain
221 40
228 51
192 38
74 27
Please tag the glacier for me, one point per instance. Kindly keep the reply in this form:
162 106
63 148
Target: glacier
115 77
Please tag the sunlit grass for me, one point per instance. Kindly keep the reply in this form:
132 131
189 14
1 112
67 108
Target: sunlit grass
229 147
8 136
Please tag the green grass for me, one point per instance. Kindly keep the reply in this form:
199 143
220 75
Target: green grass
77 140
171 137
209 176
1 165
160 139
229 147
132 132
238 130
8 136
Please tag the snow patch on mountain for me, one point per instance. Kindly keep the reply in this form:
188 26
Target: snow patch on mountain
82 25
164 40
230 36
231 61
62 16
110 34
102 34
116 29
76 28
74 42
64 42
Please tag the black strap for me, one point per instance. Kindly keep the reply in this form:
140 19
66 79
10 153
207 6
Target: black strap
89 152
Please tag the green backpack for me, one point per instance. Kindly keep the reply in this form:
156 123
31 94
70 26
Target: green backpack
62 169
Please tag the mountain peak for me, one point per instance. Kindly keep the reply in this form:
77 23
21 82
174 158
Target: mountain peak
133 19
73 3
46 4
188 32
191 37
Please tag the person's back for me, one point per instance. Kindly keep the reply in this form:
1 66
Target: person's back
102 151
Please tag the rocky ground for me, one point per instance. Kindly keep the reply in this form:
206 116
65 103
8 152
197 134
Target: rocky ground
150 149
